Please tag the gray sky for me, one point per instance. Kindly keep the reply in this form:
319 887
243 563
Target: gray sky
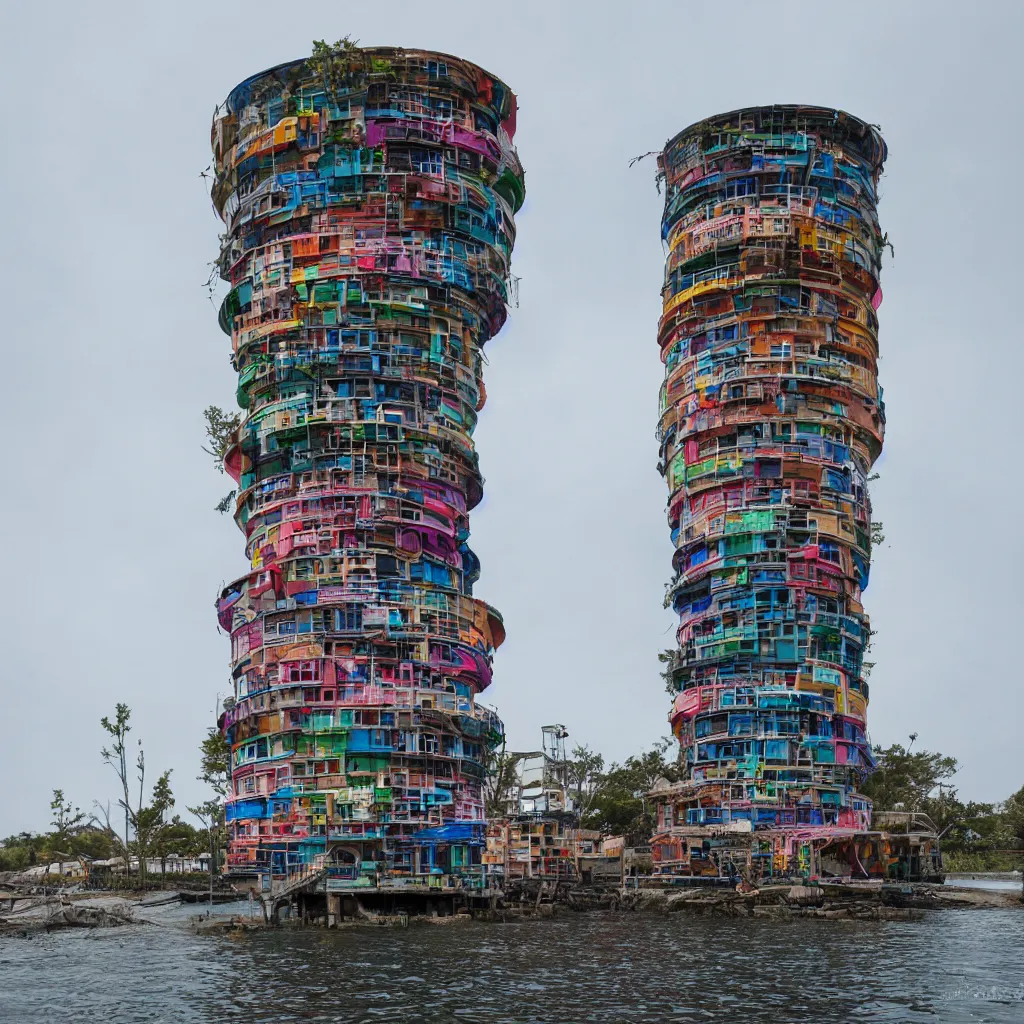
113 551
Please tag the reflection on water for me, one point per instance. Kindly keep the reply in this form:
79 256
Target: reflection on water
625 969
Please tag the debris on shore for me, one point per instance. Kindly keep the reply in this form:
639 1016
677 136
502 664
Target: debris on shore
832 901
53 913
534 899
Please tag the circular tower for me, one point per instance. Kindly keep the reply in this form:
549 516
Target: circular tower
771 418
368 199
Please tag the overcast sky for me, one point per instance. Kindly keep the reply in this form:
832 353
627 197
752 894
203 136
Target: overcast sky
113 551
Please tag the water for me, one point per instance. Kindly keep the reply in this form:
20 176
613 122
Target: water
999 884
956 966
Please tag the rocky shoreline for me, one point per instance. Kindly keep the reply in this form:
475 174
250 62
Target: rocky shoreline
851 901
28 914
830 901
49 913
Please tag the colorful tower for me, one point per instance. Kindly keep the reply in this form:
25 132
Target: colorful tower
368 199
771 418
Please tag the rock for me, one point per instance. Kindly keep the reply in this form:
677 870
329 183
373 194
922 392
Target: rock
805 895
772 911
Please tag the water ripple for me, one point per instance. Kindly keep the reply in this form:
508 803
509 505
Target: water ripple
625 969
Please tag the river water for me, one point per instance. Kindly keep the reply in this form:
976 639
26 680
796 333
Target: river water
985 882
613 969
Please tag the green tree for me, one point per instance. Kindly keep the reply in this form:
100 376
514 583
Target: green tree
211 814
214 761
877 527
220 432
93 843
221 428
969 827
152 821
67 822
584 777
339 66
670 659
906 780
179 838
499 780
21 851
1013 817
214 770
621 805
224 505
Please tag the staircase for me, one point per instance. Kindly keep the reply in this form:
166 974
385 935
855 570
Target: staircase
307 878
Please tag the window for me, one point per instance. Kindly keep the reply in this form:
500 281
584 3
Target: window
429 163
302 671
349 618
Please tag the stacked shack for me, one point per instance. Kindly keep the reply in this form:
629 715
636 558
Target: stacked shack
771 418
368 199
536 832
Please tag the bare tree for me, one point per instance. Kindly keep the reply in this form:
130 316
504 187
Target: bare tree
100 820
139 818
117 757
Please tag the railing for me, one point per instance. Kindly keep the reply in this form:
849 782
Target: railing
904 821
308 874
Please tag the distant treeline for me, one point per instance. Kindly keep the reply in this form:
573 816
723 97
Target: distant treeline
150 831
975 836
611 799
614 801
